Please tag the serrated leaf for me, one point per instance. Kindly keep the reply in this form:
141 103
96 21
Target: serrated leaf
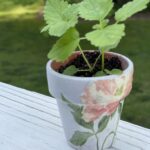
59 16
95 9
114 71
107 38
71 70
65 46
103 123
80 138
77 114
130 9
99 74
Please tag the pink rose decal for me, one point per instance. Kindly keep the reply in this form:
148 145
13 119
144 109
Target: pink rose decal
104 96
107 86
92 112
112 107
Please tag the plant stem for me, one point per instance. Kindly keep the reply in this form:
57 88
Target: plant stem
96 61
84 70
90 67
107 138
103 60
83 38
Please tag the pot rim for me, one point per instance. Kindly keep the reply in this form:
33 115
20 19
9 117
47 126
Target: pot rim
128 70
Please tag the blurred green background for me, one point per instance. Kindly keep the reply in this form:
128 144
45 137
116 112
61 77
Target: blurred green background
23 53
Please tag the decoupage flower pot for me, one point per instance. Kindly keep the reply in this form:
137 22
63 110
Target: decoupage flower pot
90 107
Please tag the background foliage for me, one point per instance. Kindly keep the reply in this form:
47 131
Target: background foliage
9 4
23 54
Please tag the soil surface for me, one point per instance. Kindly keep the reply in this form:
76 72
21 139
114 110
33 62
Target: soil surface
113 63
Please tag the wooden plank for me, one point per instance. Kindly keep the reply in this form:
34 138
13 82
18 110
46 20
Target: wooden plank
34 95
31 121
136 128
26 103
23 135
134 134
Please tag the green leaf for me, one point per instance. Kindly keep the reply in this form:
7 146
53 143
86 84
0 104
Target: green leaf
80 138
73 106
65 46
59 16
114 71
77 114
130 9
103 123
71 70
95 9
107 38
78 118
99 74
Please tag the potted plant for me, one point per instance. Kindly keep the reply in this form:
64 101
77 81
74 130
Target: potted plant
90 86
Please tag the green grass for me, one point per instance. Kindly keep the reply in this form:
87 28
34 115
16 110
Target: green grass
136 45
11 9
23 56
7 5
23 52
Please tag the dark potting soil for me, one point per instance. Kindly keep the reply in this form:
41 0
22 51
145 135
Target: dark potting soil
79 62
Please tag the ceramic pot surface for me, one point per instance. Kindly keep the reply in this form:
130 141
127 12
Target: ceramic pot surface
90 107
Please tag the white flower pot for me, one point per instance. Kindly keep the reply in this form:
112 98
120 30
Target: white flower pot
90 107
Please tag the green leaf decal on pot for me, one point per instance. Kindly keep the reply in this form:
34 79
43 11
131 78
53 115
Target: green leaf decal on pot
77 114
80 121
80 138
113 114
103 123
120 108
73 106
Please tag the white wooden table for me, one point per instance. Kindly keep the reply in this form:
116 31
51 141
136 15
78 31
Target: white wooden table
31 121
